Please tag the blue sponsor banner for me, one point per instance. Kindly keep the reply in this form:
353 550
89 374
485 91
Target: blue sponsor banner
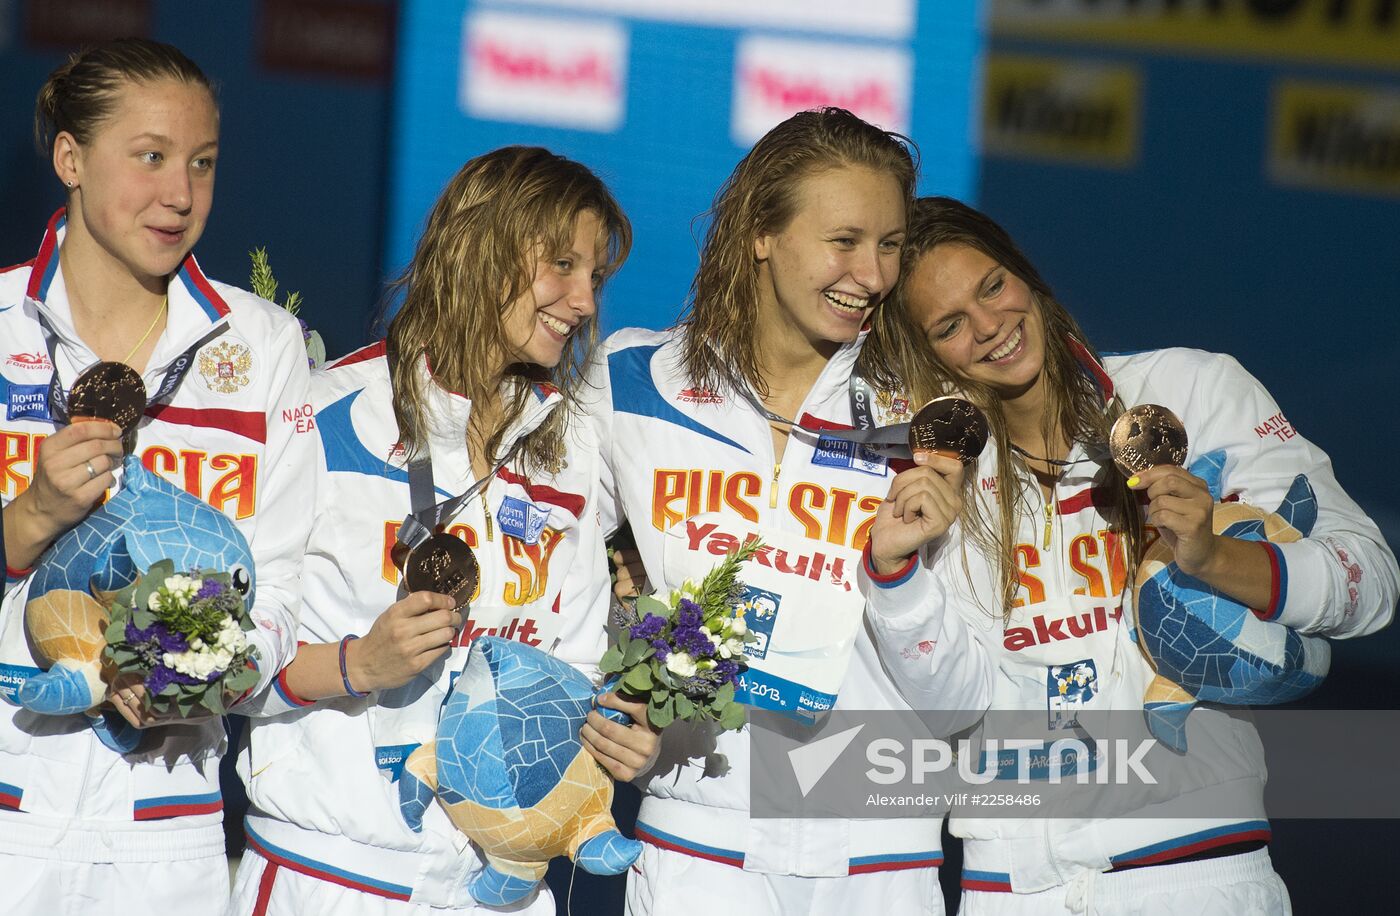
661 98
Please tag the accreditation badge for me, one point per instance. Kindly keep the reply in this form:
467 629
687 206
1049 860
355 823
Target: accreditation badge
800 600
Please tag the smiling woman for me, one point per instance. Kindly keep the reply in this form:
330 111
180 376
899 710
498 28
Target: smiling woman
468 401
131 129
736 413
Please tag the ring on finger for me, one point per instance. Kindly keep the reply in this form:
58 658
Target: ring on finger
92 471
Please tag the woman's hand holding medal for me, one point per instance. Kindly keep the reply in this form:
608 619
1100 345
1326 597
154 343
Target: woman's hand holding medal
410 635
945 436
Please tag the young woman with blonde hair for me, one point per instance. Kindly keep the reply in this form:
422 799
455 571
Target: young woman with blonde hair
471 394
730 412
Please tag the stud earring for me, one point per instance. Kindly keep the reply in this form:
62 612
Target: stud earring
70 184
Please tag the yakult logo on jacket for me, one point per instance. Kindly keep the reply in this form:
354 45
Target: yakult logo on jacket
537 70
774 79
1044 630
714 540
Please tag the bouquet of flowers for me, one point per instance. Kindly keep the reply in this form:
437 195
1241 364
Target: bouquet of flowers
264 284
684 656
183 635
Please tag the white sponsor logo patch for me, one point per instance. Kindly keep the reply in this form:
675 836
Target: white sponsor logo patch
774 79
543 70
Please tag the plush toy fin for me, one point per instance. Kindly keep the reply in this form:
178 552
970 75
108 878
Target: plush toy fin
502 883
417 783
115 733
608 853
68 687
612 715
1166 706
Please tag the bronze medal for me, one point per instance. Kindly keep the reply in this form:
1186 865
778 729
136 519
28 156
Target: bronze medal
951 427
1146 436
443 564
108 391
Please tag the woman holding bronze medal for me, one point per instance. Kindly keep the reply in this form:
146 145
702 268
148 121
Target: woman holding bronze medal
114 323
729 425
1089 470
457 496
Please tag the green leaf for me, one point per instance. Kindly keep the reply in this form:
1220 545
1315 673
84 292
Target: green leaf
663 715
116 632
636 651
734 716
725 694
237 683
650 604
611 662
142 617
685 708
638 680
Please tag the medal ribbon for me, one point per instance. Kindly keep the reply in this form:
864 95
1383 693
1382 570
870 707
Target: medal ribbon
425 514
891 440
174 374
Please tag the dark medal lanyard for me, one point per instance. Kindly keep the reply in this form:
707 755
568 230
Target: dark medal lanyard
892 440
174 374
439 562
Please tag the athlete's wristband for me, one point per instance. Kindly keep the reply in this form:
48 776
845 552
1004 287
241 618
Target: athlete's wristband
345 675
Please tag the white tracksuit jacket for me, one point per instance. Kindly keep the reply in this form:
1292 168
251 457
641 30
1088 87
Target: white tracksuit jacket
673 452
234 435
1340 581
320 803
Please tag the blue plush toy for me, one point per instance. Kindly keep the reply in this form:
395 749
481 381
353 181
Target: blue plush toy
66 615
508 768
1205 646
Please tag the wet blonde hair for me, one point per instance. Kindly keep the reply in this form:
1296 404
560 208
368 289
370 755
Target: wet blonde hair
720 347
497 217
898 356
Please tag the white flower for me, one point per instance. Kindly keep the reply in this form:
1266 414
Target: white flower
714 639
153 602
737 627
732 648
680 664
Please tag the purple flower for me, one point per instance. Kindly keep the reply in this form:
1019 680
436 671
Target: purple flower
160 678
727 670
694 640
690 615
649 628
662 649
169 642
212 588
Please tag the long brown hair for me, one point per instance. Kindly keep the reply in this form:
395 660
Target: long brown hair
898 356
497 216
80 94
720 348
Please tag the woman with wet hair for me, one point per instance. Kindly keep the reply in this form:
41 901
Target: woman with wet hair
132 130
733 412
1043 553
477 382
